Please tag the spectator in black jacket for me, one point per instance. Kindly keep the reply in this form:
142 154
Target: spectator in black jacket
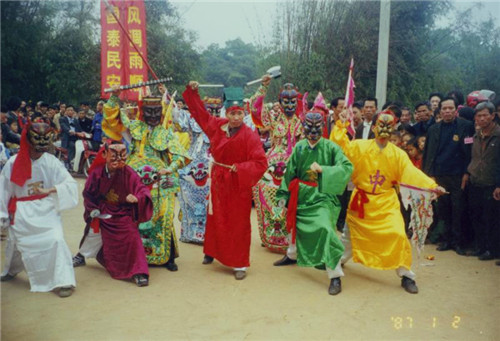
447 154
69 127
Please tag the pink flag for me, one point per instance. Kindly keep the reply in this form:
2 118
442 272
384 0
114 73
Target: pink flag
349 100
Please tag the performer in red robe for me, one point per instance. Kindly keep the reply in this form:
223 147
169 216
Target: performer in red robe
239 162
116 201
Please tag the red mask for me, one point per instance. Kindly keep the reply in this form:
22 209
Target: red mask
116 155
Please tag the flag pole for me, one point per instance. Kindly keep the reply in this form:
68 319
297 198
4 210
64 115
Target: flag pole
110 10
349 100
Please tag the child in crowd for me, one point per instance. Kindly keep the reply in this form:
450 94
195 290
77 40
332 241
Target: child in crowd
396 138
405 138
414 152
421 143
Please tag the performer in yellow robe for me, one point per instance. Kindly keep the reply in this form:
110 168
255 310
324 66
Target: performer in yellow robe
375 224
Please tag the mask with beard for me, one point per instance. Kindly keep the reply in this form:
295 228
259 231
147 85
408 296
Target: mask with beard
151 114
288 99
40 136
384 125
313 126
115 155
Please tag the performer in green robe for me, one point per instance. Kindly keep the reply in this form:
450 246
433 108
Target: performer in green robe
317 172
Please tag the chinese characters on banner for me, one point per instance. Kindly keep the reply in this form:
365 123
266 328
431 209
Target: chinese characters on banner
120 62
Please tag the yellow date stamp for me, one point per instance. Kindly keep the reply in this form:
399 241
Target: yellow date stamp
408 322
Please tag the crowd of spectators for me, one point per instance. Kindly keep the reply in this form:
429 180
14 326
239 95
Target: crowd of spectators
70 124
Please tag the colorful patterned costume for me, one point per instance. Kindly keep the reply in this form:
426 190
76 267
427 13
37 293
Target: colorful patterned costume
193 181
152 149
285 133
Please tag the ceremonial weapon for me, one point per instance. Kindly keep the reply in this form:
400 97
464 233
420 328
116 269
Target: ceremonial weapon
141 84
210 85
274 72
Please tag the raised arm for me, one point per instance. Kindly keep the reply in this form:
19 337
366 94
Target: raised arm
197 109
112 123
257 108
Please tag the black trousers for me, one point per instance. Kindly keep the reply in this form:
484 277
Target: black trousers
450 208
484 212
344 202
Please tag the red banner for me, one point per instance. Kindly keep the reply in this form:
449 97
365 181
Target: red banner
120 62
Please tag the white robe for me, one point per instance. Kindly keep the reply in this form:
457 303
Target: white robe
36 242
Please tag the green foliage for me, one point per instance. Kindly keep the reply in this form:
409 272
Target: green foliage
51 49
232 65
315 40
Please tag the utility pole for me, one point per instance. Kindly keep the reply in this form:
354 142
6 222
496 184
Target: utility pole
383 51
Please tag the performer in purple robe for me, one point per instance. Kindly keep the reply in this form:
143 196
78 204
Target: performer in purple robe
115 203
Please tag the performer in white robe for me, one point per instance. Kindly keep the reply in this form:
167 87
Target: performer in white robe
34 188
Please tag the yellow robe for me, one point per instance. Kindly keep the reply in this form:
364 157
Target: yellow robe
379 239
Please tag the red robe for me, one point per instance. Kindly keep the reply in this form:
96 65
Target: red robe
122 253
228 229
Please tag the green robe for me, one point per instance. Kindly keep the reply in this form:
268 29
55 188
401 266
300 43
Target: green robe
318 207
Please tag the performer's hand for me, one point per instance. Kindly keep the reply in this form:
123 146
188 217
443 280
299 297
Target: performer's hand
465 180
131 199
40 190
165 171
194 85
116 90
343 115
94 213
437 192
233 168
4 223
316 168
496 193
266 80
162 88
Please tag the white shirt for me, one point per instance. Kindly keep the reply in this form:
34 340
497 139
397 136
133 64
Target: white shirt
366 129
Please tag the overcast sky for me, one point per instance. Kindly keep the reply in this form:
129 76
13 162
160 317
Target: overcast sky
222 20
250 20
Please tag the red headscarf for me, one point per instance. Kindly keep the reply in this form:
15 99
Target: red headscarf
21 170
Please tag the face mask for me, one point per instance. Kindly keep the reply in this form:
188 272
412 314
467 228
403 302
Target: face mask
116 155
40 136
313 126
384 125
152 115
288 99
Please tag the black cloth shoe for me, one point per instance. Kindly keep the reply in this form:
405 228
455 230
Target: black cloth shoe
285 261
486 256
141 280
444 247
207 260
409 285
78 260
497 262
171 266
7 277
335 286
460 251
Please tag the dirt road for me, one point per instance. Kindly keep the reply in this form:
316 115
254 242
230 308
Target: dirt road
459 299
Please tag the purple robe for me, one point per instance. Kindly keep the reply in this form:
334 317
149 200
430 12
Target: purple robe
122 253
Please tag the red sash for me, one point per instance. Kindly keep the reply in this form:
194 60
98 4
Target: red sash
358 202
291 215
13 204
